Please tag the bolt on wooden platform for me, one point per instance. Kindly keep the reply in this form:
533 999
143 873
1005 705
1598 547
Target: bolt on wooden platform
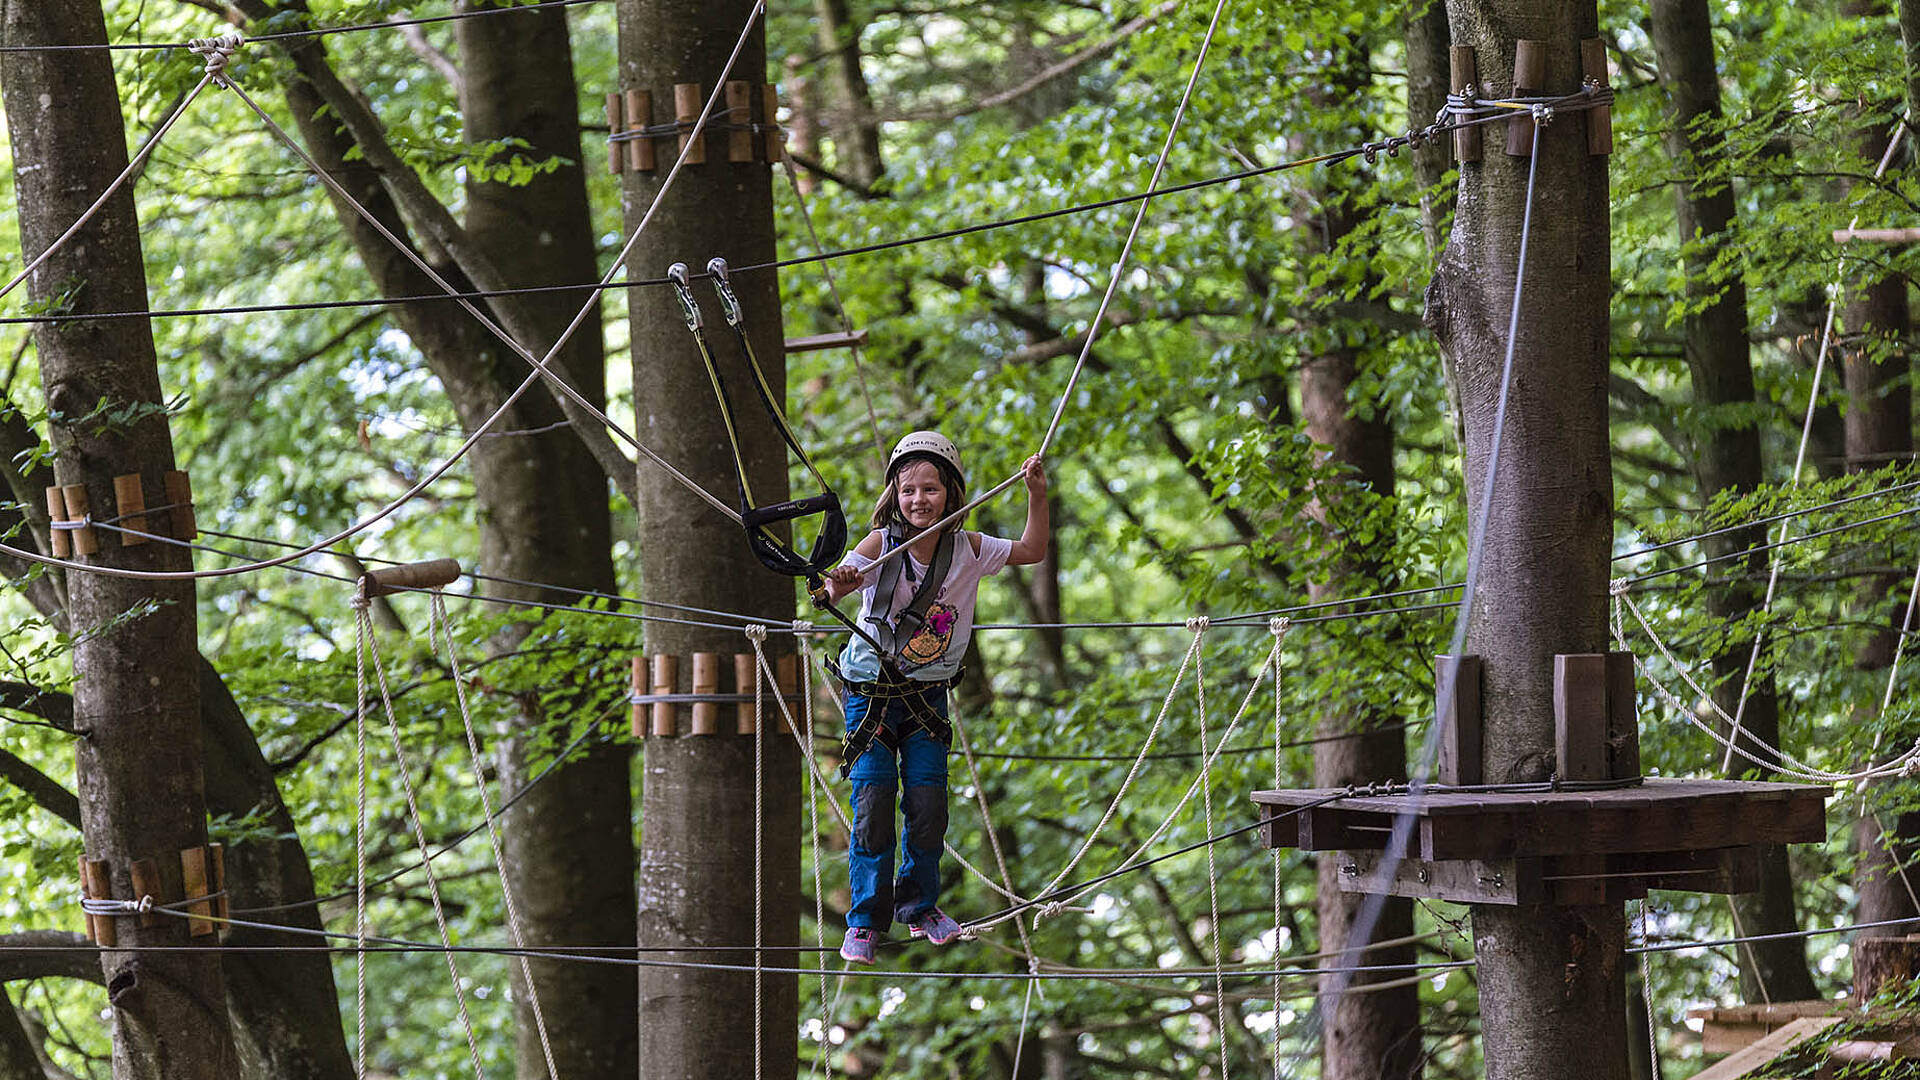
1583 842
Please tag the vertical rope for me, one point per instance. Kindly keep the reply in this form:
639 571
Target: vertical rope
437 622
1278 628
1213 881
1646 992
363 624
805 644
757 634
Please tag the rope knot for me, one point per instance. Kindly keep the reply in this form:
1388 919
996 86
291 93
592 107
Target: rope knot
1912 767
803 626
218 51
756 633
1278 625
1049 909
1197 624
1618 586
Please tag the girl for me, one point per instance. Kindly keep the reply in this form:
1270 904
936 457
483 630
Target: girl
919 608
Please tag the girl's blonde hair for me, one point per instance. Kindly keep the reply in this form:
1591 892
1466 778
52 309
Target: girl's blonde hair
886 513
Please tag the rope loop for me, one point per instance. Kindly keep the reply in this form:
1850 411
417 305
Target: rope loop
756 633
1619 586
1197 624
1278 625
803 627
218 51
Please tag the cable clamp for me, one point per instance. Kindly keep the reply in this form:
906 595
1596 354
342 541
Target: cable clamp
756 633
218 51
1542 115
1197 624
83 522
723 285
1370 151
689 307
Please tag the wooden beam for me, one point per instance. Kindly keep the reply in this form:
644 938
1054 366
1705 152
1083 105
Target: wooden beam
1876 236
839 339
1459 718
1745 1061
1466 881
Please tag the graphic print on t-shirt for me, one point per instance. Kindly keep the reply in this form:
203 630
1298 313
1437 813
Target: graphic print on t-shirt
931 641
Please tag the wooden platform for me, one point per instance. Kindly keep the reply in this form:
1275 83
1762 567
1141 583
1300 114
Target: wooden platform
1570 847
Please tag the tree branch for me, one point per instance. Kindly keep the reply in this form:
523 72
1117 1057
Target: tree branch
49 954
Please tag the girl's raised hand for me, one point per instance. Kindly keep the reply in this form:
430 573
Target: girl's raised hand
1035 471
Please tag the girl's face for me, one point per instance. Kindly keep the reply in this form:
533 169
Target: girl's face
922 497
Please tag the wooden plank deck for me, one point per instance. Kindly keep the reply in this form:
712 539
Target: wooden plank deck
1660 815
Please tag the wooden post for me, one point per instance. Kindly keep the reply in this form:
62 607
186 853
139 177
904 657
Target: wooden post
409 576
616 125
95 885
639 117
706 680
57 511
666 669
180 504
1459 716
129 504
744 673
194 879
686 110
773 137
1529 75
217 861
1623 718
85 541
147 882
1466 141
1593 71
1580 716
739 121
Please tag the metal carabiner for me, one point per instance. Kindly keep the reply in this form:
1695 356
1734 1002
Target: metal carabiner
722 284
689 307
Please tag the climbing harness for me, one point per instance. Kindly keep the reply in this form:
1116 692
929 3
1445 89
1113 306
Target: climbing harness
891 686
775 554
893 633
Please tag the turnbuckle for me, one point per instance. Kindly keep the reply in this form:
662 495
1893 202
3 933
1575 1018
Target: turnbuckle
722 284
689 307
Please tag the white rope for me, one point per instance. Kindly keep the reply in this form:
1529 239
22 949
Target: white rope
757 634
437 620
993 838
1799 460
1278 627
1783 763
1213 882
363 630
1646 993
420 838
1113 286
801 631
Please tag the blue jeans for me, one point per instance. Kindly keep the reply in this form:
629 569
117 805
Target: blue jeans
920 768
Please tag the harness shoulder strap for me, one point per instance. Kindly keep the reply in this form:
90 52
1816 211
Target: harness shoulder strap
893 629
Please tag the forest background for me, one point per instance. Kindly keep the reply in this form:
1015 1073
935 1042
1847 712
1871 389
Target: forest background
1190 476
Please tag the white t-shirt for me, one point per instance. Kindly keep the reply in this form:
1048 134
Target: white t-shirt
942 641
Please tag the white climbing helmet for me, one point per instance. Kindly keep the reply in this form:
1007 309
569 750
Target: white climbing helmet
930 443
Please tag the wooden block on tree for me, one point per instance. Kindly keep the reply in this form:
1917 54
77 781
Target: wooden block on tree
1580 716
706 680
745 671
1458 713
148 883
616 124
180 504
639 109
773 138
57 511
637 687
1593 72
739 121
1529 75
217 861
130 505
195 878
665 672
1466 140
85 540
686 112
95 884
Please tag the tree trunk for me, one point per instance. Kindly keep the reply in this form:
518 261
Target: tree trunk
1428 78
1370 1034
1552 979
856 132
1726 459
569 844
141 789
697 871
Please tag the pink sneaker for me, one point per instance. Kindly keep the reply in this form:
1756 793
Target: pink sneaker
934 925
857 946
